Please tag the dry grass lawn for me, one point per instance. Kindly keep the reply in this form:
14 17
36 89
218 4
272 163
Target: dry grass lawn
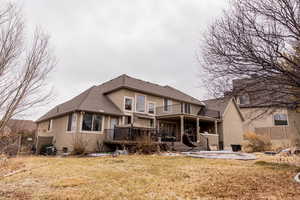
146 177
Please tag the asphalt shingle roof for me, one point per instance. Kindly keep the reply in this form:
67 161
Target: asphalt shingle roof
219 104
95 100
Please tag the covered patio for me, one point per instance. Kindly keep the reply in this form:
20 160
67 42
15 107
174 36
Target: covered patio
192 125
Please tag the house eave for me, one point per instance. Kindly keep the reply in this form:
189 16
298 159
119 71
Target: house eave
158 95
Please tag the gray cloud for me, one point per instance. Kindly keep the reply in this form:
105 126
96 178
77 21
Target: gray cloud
154 40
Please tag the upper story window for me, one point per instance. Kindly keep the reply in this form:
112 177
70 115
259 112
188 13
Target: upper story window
244 99
187 108
167 104
91 122
128 103
140 103
280 119
50 122
151 108
72 120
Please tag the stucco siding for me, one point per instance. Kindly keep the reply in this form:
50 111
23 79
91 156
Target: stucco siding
63 138
117 98
259 117
138 122
264 125
232 126
42 129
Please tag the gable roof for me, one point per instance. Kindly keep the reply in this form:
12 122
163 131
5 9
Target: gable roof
95 100
261 93
91 100
221 105
125 81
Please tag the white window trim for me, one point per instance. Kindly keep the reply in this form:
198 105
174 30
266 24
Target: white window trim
287 119
51 125
151 102
184 111
169 111
110 118
132 106
92 132
145 107
74 131
127 115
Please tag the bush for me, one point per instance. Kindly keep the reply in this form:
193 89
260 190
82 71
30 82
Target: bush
9 144
256 143
79 144
147 148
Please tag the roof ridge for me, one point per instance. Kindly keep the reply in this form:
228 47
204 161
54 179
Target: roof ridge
144 80
181 92
87 94
111 80
215 99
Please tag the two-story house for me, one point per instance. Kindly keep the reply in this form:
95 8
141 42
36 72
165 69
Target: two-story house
126 102
278 122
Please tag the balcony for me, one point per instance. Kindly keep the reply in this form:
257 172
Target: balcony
177 109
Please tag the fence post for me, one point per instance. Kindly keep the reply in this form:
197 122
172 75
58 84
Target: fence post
19 143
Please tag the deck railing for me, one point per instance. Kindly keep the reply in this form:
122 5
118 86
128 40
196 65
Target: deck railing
138 134
131 134
179 109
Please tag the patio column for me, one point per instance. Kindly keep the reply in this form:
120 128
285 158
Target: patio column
198 129
123 120
216 127
182 126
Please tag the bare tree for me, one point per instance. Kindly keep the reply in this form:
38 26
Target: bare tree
24 67
257 41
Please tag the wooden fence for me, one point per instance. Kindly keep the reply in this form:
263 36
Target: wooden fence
278 133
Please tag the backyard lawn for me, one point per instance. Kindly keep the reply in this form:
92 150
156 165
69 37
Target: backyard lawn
146 177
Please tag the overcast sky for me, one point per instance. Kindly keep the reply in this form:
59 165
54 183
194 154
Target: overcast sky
97 40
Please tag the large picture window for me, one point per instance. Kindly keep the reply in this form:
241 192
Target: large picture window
72 119
280 120
91 122
140 103
128 103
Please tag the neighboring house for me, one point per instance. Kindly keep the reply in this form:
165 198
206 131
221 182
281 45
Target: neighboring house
22 126
17 126
109 108
281 124
21 136
231 125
